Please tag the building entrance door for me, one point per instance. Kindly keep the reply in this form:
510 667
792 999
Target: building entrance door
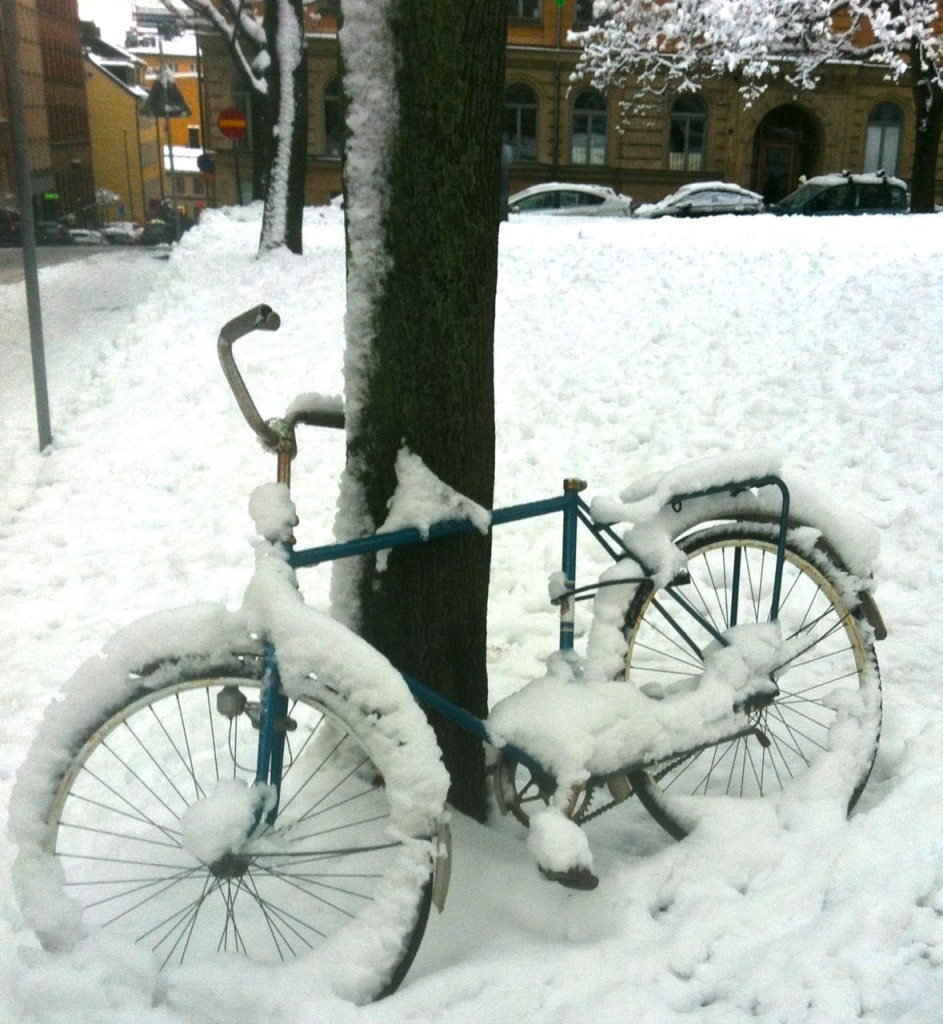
786 145
776 173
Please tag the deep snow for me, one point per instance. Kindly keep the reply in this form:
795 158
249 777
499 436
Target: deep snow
622 348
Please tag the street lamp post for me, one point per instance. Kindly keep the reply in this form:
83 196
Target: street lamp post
27 226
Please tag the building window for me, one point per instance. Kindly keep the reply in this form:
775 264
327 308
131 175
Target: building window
524 10
882 145
590 128
583 14
193 136
520 121
333 119
688 134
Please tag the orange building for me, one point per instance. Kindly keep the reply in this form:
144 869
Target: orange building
181 57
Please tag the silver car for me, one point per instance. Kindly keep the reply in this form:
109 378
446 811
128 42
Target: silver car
705 199
562 199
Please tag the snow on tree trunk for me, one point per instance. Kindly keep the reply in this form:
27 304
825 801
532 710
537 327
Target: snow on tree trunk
287 79
424 84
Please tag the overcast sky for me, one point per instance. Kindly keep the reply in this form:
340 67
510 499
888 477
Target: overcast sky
113 17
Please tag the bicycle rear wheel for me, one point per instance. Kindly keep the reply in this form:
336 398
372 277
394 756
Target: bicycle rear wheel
115 824
823 727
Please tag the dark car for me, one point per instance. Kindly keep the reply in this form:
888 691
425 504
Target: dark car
157 232
705 199
10 231
829 194
51 232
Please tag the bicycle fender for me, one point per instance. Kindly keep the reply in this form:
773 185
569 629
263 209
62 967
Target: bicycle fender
442 872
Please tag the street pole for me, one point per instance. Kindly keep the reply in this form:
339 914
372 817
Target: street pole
24 195
170 147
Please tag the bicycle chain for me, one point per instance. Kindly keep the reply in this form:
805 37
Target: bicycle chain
589 815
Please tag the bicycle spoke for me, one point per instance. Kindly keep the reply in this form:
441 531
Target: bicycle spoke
732 569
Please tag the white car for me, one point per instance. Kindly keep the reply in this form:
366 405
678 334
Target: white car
561 199
705 199
83 236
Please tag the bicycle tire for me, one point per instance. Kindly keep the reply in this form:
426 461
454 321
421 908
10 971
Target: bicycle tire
815 725
124 785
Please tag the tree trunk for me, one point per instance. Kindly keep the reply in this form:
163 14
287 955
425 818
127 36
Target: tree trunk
428 383
928 105
281 162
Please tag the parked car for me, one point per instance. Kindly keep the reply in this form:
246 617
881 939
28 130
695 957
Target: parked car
124 232
157 232
705 199
846 193
86 236
571 200
10 230
51 232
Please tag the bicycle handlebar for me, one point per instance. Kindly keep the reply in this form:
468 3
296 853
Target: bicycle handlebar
259 318
273 432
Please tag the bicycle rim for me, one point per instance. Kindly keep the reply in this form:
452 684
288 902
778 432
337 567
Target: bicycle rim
826 719
116 830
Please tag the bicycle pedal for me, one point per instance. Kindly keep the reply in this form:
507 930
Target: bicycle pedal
573 878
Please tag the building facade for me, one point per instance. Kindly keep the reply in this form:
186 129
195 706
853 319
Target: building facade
126 148
558 129
30 59
67 113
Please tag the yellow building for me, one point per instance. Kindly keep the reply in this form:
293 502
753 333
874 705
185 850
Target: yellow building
561 130
125 146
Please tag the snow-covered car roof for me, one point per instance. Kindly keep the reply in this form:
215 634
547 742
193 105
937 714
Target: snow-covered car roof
727 197
838 177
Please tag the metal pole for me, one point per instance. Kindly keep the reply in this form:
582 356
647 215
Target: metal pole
24 194
170 147
235 156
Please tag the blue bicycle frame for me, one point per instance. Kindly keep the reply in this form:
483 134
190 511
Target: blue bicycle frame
575 511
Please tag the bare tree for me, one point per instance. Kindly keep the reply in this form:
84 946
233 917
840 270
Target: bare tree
645 47
268 50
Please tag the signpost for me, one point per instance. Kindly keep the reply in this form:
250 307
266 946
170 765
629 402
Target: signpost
164 100
11 47
232 123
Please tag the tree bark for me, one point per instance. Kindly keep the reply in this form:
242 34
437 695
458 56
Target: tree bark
429 381
928 106
266 183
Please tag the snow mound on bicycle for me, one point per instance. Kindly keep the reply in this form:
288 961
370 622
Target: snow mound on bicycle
578 726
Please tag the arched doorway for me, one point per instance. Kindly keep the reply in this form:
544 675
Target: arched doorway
787 143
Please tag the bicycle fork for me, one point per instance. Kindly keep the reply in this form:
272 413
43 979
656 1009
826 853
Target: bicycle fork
274 726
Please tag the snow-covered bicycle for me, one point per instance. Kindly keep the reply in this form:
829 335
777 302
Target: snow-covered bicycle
263 781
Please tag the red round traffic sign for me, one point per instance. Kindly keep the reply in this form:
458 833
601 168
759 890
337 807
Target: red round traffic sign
232 123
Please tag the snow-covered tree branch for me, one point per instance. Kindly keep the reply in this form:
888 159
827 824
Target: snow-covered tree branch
644 48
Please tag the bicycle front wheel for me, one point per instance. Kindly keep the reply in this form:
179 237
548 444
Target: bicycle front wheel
116 826
823 727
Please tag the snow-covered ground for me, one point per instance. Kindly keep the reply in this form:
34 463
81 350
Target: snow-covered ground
622 348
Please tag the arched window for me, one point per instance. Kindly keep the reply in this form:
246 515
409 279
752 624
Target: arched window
590 128
333 119
520 121
688 134
882 145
